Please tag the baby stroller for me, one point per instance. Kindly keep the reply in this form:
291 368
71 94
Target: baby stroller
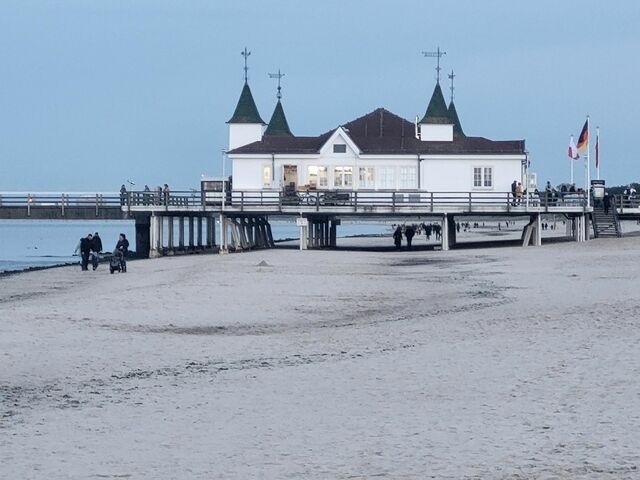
117 262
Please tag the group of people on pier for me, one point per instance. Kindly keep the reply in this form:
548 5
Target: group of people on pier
90 248
160 195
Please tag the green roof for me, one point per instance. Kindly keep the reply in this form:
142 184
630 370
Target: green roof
278 124
437 110
453 115
246 110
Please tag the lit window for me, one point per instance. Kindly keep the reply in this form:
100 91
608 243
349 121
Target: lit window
339 148
343 176
366 177
266 177
317 176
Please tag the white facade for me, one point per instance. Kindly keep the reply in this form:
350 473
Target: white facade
354 171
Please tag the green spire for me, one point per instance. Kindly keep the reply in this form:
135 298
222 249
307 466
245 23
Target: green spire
453 115
437 110
278 124
246 110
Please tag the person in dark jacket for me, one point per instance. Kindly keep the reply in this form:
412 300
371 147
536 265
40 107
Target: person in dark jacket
123 246
96 248
397 237
84 245
409 232
606 202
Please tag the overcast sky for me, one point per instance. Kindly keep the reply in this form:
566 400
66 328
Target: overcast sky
96 92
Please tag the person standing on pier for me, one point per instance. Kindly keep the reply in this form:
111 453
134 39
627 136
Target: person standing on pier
397 237
123 195
165 194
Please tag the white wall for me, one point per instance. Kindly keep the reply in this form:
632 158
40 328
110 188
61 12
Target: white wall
241 134
442 175
436 132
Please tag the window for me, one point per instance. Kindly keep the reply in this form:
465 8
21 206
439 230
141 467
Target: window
482 177
266 176
366 177
317 177
343 176
386 177
477 177
408 177
340 148
488 177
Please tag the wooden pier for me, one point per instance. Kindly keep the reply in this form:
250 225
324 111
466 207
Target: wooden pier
243 218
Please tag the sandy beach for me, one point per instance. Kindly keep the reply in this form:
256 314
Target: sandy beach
494 363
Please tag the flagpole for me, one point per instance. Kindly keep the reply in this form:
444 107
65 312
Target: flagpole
571 160
588 186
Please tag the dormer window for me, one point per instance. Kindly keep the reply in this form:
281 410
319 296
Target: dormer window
339 148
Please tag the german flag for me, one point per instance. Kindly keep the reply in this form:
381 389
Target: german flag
583 139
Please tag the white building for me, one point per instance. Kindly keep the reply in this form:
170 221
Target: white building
378 151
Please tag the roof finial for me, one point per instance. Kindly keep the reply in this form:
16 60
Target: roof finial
437 54
278 76
451 77
245 53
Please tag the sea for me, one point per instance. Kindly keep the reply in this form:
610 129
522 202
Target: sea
28 244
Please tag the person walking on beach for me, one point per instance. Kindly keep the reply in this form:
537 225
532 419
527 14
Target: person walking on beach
123 247
437 230
409 232
397 237
84 245
96 248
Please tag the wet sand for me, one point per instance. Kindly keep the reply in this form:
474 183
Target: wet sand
493 363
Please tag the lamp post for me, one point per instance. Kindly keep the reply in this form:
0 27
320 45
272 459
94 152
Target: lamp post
224 178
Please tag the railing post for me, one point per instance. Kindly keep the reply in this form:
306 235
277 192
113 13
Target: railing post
431 201
355 201
62 205
469 201
29 202
97 199
129 203
242 201
393 201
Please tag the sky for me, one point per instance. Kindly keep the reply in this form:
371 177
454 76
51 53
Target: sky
95 93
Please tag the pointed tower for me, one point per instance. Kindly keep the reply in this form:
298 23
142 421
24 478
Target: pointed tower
436 125
245 125
453 113
278 124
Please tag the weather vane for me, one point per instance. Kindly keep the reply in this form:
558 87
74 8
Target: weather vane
451 77
278 76
245 53
437 54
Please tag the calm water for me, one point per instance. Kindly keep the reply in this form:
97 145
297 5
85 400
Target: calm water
38 243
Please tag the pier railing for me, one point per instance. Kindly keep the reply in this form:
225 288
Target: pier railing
355 201
97 202
338 201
